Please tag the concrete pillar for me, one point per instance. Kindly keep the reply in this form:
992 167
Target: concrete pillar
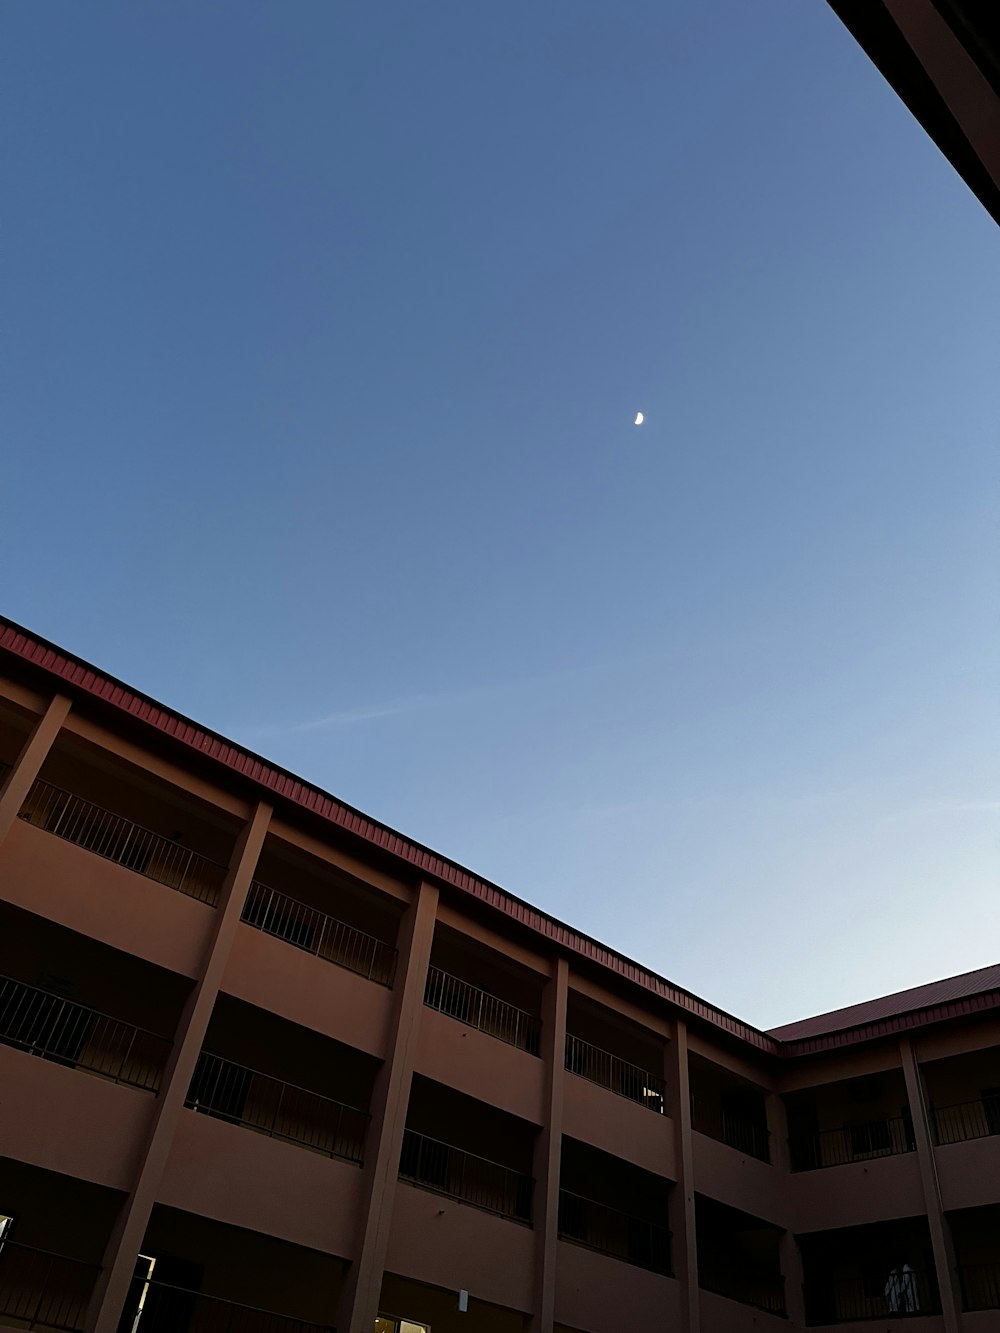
788 1246
685 1243
29 762
944 1263
548 1149
112 1288
363 1284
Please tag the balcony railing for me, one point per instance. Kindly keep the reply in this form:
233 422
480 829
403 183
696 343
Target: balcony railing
968 1120
731 1127
884 1137
609 1231
45 1024
280 1110
168 1309
478 1009
762 1290
120 840
980 1286
627 1080
43 1290
888 1293
330 939
462 1175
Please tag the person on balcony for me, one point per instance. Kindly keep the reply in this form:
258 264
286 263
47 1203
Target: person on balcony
901 1291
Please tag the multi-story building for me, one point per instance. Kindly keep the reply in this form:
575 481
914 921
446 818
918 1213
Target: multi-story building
267 1066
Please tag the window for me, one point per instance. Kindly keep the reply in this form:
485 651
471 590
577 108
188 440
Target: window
386 1324
6 1222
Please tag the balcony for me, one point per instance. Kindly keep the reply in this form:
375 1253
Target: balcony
609 1231
57 1029
478 1009
162 1308
731 1125
120 840
881 1294
980 1286
762 1290
886 1136
738 1256
43 1290
280 1110
317 933
608 1071
462 1175
968 1120
199 1275
880 1270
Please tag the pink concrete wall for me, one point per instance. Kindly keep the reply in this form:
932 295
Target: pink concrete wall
598 1294
912 1324
719 1315
69 1121
235 1175
968 1172
479 1065
624 1128
273 975
452 1245
735 1178
96 897
846 1196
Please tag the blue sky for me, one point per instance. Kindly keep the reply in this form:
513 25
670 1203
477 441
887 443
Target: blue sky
324 328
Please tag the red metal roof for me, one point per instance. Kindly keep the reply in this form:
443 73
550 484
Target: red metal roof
932 996
278 785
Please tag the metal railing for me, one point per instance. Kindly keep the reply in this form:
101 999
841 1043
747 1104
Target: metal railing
731 1127
884 1295
122 841
478 1009
43 1290
627 1080
280 1110
967 1120
168 1309
463 1175
48 1025
610 1231
980 1285
887 1136
762 1290
315 932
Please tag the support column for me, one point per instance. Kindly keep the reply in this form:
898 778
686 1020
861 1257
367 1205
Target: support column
788 1247
685 1241
940 1237
363 1284
112 1289
548 1149
28 763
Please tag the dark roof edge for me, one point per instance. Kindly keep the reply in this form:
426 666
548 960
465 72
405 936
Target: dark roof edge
277 782
876 32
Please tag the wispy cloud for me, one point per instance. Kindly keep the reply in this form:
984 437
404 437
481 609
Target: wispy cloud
485 691
349 716
346 717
